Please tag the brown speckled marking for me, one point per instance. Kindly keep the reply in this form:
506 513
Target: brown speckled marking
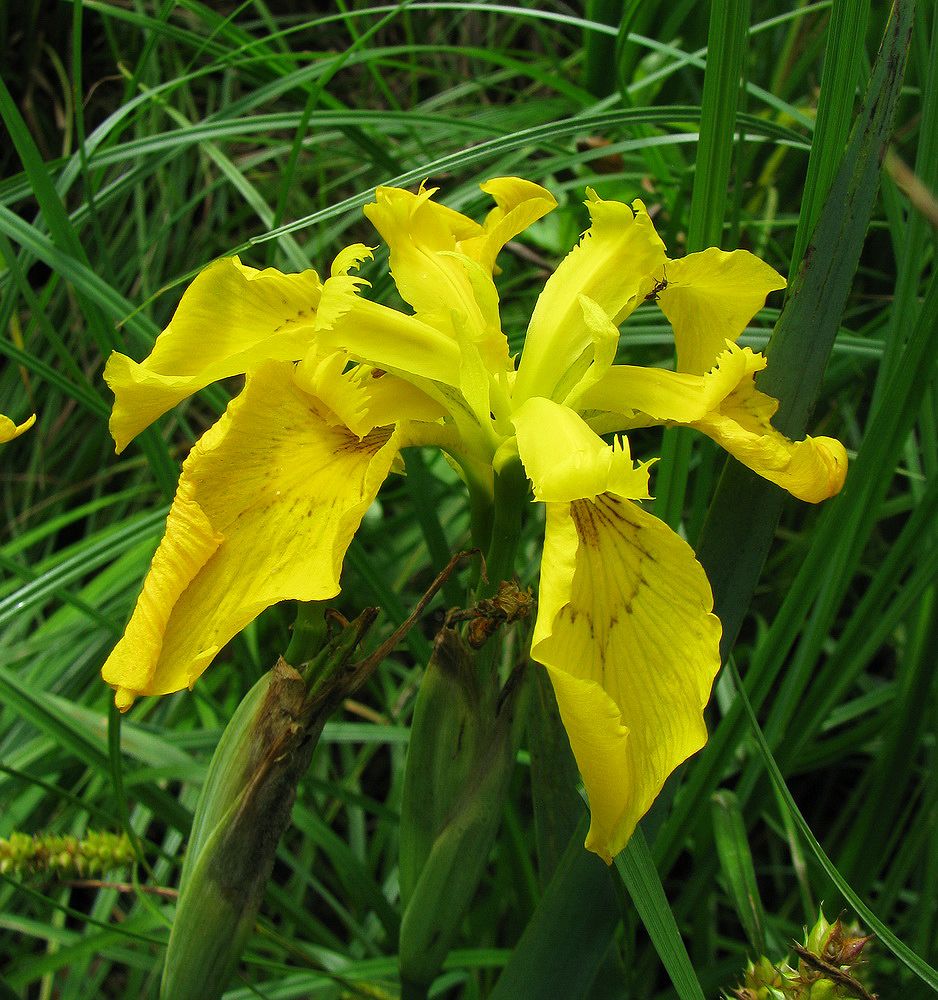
591 518
293 319
372 442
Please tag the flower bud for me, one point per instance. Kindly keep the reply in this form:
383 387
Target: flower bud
244 808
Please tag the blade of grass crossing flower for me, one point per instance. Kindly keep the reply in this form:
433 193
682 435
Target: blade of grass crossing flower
745 506
818 293
800 345
491 149
846 525
837 545
843 63
726 46
905 954
639 875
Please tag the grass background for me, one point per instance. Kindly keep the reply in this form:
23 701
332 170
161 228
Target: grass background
145 139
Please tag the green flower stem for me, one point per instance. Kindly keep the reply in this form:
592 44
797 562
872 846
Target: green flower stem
309 632
481 516
463 742
511 497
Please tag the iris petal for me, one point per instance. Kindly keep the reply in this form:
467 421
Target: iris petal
709 299
609 266
625 629
725 405
431 273
565 460
267 505
230 319
10 430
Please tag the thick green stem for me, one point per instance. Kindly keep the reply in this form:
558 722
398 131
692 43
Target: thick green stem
309 632
511 497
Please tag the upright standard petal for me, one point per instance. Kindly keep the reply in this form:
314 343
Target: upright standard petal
433 275
375 333
518 203
230 319
709 297
10 430
611 264
625 630
267 505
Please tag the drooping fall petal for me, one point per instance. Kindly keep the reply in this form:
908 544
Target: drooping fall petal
9 430
626 632
812 470
709 298
725 405
230 319
609 266
267 504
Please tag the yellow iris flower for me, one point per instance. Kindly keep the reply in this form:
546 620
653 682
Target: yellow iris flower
10 430
336 386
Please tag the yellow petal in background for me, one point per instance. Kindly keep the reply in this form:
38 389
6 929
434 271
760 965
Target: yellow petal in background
381 336
565 460
363 397
391 399
609 266
668 397
10 430
709 299
267 505
663 395
230 319
626 631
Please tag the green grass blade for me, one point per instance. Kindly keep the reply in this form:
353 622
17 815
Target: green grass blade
726 45
737 866
637 869
843 64
905 954
565 942
746 507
